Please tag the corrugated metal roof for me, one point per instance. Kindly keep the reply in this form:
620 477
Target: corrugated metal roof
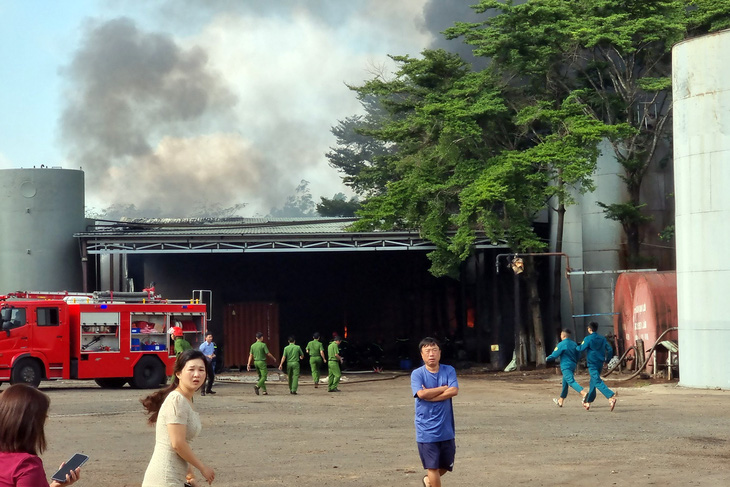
222 226
216 235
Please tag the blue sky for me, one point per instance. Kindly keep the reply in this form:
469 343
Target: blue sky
36 37
215 103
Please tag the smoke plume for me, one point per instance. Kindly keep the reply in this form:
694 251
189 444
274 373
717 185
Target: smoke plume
227 103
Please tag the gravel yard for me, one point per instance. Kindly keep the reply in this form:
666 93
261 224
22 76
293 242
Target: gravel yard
509 432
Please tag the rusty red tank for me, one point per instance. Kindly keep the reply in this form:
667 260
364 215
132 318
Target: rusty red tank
654 312
623 305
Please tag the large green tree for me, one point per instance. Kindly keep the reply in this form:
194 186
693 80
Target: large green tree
475 155
617 53
469 152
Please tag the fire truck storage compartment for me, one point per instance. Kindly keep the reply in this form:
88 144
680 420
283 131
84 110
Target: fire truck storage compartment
99 332
150 331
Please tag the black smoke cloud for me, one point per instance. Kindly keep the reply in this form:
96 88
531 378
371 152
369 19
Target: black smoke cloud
147 120
234 107
439 15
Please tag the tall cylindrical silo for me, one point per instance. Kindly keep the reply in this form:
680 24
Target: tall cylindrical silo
40 210
701 91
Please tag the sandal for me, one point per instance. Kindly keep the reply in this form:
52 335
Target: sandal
424 481
586 405
612 402
557 402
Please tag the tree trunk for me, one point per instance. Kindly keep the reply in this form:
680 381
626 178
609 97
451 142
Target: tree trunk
520 335
534 303
632 229
557 274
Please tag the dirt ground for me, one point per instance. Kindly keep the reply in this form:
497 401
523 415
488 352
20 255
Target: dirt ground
509 432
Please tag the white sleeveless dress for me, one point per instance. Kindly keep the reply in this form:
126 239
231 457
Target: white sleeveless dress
166 468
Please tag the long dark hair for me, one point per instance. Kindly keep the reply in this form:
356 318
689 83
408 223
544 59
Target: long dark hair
153 402
23 413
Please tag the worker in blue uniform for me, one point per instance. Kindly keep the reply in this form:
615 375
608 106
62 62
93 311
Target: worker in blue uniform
598 351
566 351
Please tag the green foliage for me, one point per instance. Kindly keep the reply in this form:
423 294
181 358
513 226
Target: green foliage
468 162
667 234
625 213
339 205
707 16
655 84
464 152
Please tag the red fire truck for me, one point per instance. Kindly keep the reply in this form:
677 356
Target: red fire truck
110 337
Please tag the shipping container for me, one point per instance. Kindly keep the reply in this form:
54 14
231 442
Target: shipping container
241 322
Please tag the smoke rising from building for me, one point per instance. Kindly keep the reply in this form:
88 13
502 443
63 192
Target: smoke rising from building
218 104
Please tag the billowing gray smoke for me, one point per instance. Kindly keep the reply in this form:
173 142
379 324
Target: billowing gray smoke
439 15
146 119
235 111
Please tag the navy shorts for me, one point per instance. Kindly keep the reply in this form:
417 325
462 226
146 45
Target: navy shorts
438 455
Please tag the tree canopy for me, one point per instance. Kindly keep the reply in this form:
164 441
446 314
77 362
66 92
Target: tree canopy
617 54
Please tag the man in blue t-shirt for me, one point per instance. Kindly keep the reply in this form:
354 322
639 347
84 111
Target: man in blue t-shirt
566 351
433 385
598 350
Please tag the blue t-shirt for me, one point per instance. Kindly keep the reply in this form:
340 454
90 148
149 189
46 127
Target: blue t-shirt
598 349
567 351
434 419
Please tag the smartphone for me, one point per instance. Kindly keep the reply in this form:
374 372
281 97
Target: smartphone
72 464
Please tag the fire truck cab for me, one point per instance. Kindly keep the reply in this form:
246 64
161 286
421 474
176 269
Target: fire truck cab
112 338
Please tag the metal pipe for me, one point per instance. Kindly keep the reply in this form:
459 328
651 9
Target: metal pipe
646 361
620 271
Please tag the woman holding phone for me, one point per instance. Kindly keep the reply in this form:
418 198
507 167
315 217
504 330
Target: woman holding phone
23 413
176 424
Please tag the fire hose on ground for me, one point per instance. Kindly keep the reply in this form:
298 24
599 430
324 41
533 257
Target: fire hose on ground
648 355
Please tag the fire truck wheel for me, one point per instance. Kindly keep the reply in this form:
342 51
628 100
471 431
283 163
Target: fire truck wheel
148 373
111 382
26 372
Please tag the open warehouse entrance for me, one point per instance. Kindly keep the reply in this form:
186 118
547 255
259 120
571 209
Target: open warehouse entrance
374 289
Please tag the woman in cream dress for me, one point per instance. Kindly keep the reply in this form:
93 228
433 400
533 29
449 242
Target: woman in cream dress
176 424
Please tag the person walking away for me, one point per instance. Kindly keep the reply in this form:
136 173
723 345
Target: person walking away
258 353
208 347
315 349
23 413
566 351
598 351
292 354
181 344
176 425
433 386
333 364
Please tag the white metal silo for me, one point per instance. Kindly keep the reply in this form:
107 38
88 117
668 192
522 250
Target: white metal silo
701 93
40 210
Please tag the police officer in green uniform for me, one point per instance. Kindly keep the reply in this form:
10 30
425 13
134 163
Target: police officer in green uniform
259 352
315 349
333 364
181 344
292 354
